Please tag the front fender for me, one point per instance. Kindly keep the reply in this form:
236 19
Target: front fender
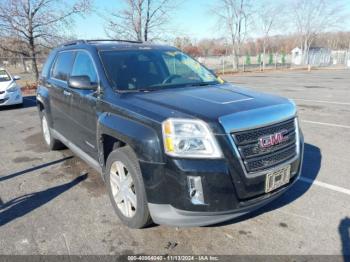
143 139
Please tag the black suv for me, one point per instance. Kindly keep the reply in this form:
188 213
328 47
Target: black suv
174 143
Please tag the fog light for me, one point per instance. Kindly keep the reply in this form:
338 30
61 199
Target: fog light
195 190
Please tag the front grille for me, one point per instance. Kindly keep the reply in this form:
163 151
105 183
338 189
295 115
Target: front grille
257 158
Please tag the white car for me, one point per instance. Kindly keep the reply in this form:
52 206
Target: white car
10 92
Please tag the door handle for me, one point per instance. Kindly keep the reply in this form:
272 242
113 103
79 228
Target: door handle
66 93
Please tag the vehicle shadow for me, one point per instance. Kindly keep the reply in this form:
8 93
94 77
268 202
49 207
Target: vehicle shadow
344 232
311 167
23 205
19 173
28 101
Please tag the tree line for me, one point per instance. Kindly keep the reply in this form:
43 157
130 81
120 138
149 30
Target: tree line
30 28
256 46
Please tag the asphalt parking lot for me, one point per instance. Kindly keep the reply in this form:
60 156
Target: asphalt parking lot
53 203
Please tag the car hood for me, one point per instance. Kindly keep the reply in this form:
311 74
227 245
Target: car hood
4 85
232 107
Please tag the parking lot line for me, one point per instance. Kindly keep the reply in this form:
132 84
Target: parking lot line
325 185
325 124
293 214
322 101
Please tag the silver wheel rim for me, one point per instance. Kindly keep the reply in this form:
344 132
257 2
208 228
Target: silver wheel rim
46 130
123 189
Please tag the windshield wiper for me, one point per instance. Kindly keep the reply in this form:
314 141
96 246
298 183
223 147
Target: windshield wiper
146 90
134 91
204 84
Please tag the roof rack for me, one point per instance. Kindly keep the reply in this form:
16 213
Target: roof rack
77 42
115 40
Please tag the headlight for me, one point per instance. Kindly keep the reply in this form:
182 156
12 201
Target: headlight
12 88
189 138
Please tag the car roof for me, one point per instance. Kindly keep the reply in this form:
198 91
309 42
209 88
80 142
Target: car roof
109 45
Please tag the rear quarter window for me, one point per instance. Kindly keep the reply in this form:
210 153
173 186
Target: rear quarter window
47 66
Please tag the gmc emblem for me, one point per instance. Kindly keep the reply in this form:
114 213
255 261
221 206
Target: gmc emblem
272 140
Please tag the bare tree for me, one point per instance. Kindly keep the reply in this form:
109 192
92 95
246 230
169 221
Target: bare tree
182 42
35 24
311 17
233 16
267 18
141 20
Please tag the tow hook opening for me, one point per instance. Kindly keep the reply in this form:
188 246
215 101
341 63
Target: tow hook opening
195 190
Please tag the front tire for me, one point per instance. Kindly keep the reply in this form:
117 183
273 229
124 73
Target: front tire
126 188
51 143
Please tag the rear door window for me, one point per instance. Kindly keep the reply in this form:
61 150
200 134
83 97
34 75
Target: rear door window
63 65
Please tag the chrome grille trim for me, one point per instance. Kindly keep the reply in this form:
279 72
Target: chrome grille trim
277 166
270 160
251 150
250 136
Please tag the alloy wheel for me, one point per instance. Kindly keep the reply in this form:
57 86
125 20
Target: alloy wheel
123 189
46 130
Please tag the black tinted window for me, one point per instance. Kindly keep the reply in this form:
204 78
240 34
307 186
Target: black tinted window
153 69
131 70
83 66
63 65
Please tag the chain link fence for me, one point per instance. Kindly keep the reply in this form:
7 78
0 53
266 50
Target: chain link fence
226 64
276 61
341 57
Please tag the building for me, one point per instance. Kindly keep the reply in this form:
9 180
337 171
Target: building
317 56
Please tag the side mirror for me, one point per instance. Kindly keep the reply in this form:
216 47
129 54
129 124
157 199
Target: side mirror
81 82
16 78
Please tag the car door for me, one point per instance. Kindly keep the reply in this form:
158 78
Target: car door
83 108
59 98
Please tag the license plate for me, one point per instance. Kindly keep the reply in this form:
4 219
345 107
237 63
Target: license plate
277 179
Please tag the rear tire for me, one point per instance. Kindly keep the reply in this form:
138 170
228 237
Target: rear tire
51 143
126 188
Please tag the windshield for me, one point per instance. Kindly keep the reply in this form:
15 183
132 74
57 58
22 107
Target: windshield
4 76
154 69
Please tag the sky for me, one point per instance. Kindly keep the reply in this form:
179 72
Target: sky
193 19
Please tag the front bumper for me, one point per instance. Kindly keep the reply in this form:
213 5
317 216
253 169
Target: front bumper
227 193
11 98
168 215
